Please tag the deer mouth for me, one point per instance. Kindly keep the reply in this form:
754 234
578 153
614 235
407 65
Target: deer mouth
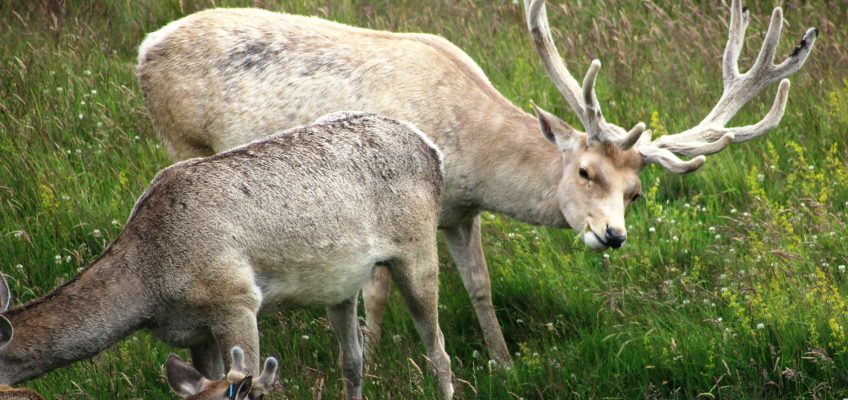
593 241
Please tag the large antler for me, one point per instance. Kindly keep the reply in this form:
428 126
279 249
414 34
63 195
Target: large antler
711 135
582 99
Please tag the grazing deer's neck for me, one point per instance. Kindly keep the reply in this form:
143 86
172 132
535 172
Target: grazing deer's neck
518 169
99 307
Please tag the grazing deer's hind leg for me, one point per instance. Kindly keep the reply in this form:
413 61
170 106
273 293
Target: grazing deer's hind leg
208 360
375 295
418 282
466 248
346 325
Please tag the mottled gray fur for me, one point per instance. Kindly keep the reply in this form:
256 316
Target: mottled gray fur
297 219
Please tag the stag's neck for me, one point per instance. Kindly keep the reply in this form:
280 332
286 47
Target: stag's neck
102 305
517 171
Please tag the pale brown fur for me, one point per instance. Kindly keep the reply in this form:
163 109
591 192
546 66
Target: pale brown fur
219 78
214 241
9 393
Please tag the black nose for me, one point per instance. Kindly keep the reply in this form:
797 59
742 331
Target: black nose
614 238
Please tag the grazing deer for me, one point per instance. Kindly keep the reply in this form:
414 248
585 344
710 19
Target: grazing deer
297 219
219 78
9 393
190 384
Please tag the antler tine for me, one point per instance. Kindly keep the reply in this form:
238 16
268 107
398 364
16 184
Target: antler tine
711 135
735 41
766 57
594 118
632 137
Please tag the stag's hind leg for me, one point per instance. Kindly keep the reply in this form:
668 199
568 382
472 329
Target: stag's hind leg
346 325
418 282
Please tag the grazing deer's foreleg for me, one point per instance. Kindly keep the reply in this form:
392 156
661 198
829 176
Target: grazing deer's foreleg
208 360
375 295
466 248
343 319
418 282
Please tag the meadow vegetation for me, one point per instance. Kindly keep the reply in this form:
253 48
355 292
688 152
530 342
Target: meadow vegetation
732 284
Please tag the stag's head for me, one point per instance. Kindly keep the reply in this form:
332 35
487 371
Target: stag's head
601 166
190 384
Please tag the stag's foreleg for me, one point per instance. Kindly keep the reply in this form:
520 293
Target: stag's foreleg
466 247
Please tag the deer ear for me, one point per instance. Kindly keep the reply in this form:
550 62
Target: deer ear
183 378
554 129
6 331
5 295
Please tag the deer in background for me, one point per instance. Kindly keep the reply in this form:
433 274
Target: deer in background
10 393
190 384
219 78
214 241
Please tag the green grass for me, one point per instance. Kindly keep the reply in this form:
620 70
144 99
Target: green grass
732 284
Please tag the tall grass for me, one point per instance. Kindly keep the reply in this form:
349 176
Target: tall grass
732 284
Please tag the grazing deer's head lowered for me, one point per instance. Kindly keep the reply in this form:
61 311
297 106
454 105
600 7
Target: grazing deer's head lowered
190 384
600 177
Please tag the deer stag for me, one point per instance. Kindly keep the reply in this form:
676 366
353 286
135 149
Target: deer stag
214 241
190 384
219 78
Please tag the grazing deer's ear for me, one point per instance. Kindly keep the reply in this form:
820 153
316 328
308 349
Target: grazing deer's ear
555 130
5 295
6 331
183 378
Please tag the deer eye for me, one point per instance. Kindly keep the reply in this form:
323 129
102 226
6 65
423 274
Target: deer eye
583 173
635 197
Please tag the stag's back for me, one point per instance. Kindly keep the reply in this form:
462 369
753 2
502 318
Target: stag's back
220 78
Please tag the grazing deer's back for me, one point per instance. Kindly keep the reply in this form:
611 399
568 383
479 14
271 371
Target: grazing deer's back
310 196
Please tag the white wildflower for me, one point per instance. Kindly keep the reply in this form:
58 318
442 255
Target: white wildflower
761 326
